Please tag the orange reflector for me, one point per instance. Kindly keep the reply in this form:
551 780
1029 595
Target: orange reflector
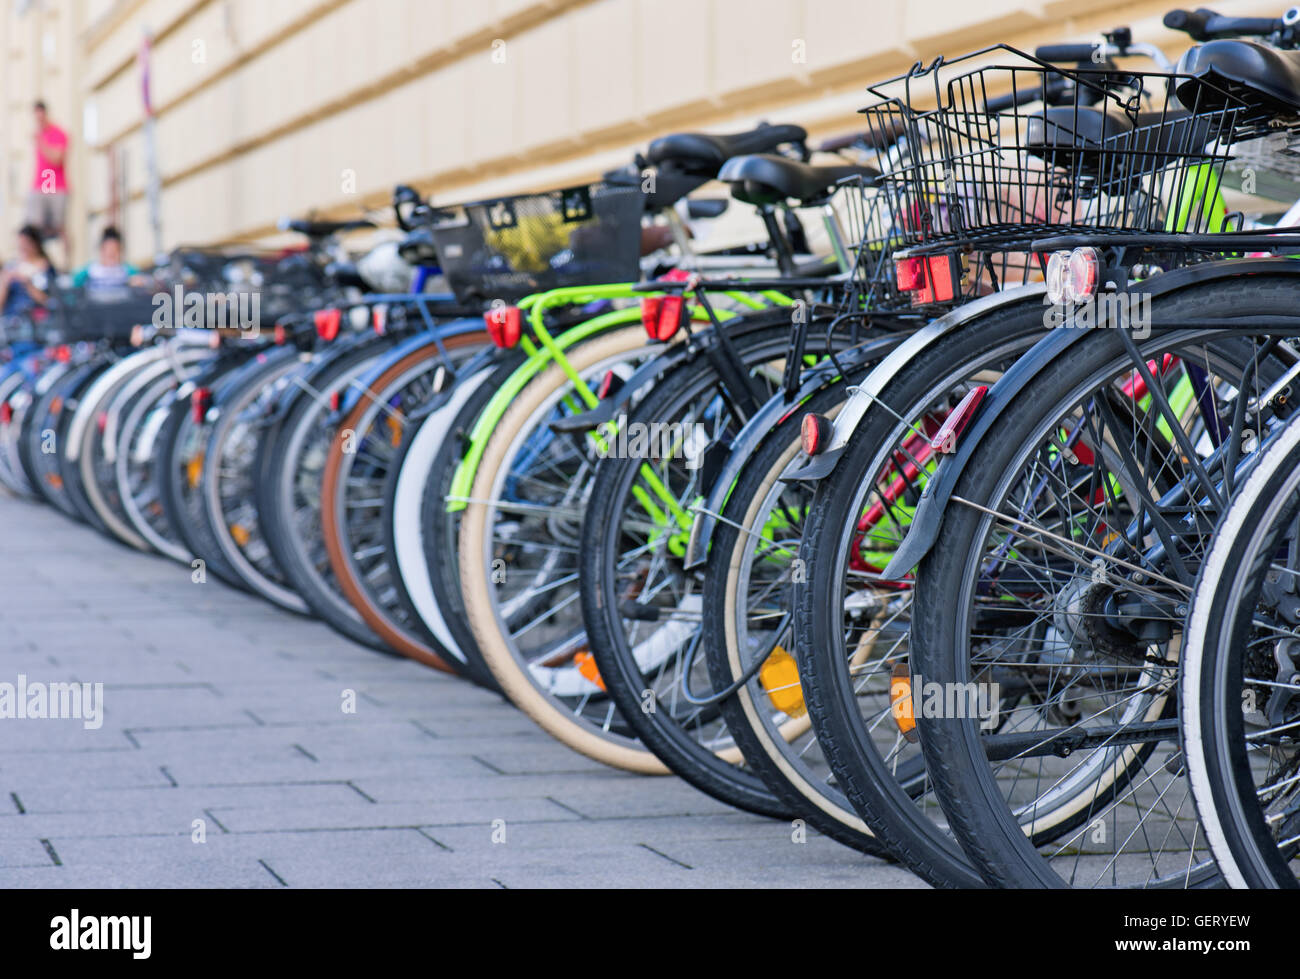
900 702
586 664
779 676
240 534
194 470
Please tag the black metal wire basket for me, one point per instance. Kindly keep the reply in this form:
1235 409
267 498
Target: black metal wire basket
511 247
997 155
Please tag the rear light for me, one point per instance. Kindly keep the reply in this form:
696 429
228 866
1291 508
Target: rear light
379 319
505 325
1082 275
281 334
200 402
1073 276
663 316
336 399
328 322
63 354
929 278
1056 266
945 440
6 413
815 433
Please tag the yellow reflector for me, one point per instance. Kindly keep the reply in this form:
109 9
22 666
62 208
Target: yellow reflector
240 534
780 679
194 470
900 702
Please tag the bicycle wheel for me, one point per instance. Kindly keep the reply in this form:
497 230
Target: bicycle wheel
519 556
352 489
851 628
290 467
1051 601
136 469
642 611
1239 679
227 485
423 533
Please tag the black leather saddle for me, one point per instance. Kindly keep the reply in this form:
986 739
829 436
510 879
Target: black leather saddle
1266 79
764 179
704 154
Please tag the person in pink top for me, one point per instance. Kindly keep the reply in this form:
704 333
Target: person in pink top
47 202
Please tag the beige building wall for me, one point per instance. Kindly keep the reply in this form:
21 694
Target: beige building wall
276 107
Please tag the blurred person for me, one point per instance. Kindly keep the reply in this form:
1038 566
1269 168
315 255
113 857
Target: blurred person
25 282
47 201
108 277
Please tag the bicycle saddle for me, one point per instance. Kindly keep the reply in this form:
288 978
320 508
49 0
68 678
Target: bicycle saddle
1267 79
323 229
766 179
1113 146
704 154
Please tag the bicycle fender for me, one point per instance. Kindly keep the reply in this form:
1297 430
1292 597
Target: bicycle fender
926 521
851 415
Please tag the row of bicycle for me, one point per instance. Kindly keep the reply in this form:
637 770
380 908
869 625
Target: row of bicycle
915 541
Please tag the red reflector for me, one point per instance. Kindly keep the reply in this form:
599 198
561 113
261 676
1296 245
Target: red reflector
930 279
281 334
336 399
909 273
380 320
328 322
101 422
815 433
606 383
6 413
663 316
505 325
945 440
63 354
200 401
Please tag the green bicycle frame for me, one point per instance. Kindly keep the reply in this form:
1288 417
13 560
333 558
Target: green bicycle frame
552 349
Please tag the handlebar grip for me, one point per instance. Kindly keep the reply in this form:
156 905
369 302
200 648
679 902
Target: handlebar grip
1190 22
1065 52
1205 25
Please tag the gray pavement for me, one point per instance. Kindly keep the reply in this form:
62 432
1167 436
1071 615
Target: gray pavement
225 757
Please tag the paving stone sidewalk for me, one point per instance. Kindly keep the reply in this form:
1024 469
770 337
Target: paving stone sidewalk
222 709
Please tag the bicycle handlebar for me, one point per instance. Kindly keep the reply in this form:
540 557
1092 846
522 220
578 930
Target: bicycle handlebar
1065 52
1205 25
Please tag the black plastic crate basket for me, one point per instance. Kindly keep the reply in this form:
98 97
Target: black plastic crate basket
73 317
511 247
997 155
